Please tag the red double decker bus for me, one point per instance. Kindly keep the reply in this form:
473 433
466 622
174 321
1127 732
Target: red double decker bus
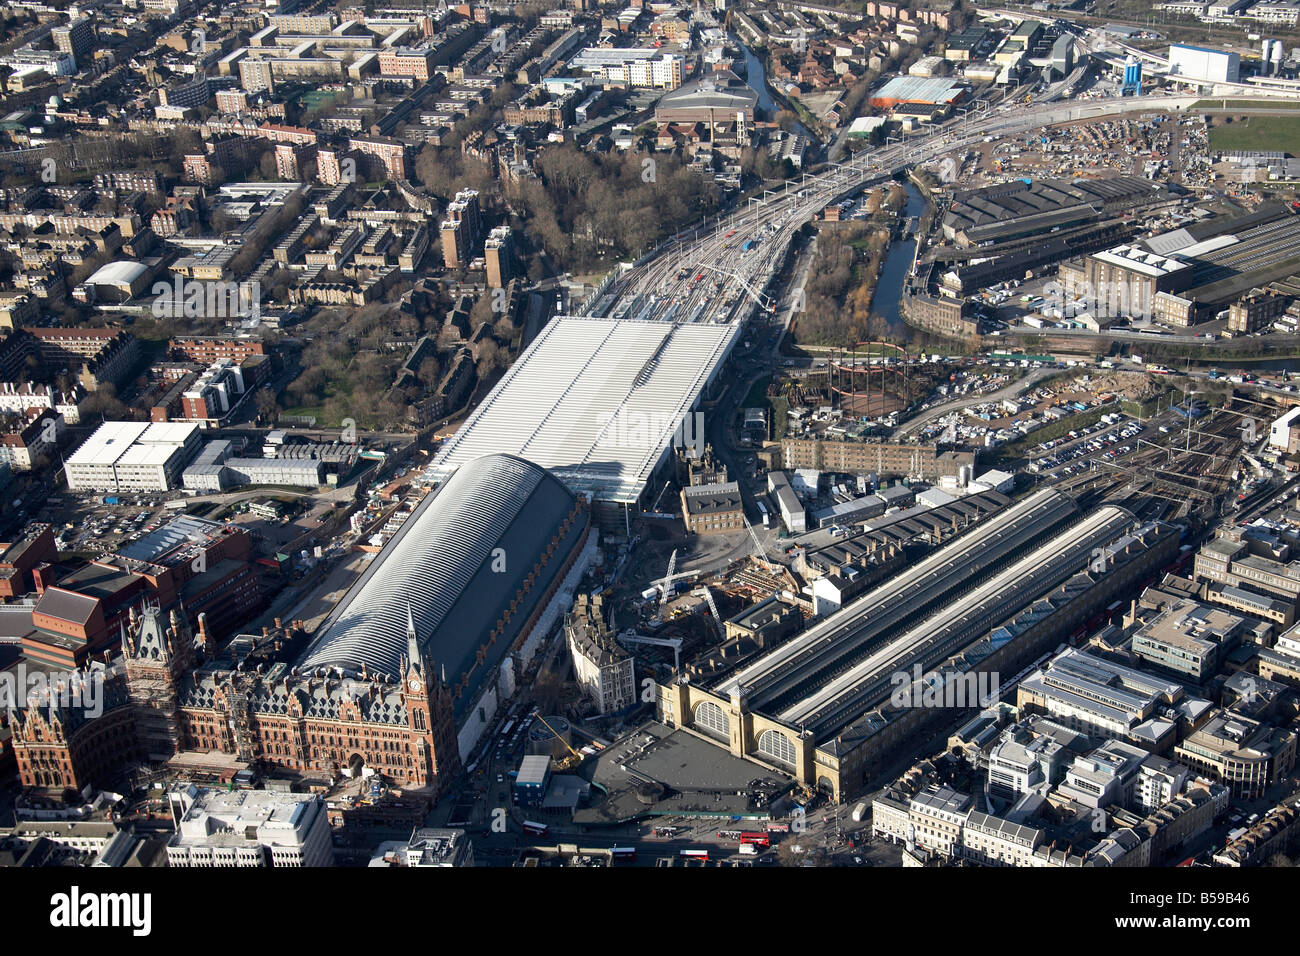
756 838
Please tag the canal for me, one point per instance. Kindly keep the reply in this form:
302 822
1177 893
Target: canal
895 270
756 77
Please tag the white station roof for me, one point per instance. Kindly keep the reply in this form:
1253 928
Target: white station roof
596 401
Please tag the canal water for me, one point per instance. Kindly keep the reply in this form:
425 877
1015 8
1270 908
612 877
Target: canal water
898 260
894 273
756 77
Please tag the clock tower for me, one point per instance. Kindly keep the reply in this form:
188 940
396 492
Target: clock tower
434 749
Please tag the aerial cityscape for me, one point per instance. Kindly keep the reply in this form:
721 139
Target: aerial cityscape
667 433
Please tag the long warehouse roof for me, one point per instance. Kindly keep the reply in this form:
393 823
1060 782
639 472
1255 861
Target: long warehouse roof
132 443
595 401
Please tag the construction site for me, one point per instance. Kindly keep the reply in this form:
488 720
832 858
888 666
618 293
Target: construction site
783 655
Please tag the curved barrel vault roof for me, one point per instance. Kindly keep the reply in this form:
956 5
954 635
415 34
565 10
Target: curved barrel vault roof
443 564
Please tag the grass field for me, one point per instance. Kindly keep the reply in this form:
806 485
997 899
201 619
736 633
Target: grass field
1219 104
758 393
1260 133
307 411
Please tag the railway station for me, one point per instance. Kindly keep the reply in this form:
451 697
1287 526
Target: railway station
598 403
824 706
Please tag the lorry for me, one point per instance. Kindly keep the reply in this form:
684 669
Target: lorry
860 812
748 849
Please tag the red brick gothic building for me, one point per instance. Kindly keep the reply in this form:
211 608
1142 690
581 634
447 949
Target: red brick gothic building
168 695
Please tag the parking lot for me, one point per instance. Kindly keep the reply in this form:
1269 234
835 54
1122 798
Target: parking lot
1101 440
87 525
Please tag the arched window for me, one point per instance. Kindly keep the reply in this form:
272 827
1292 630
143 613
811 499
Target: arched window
709 717
777 746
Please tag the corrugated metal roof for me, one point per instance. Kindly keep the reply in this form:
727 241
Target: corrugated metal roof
919 89
595 401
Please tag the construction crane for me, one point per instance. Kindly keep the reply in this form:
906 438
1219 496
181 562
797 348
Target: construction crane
663 583
668 579
564 763
708 596
674 642
760 553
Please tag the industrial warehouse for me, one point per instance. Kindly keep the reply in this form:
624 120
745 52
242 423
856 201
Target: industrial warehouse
823 706
597 402
1020 209
1225 258
1018 226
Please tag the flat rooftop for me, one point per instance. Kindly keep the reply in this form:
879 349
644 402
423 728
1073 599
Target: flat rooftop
132 442
179 532
596 401
242 817
1139 260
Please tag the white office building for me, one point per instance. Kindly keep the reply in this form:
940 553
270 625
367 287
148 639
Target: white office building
1159 780
133 456
1020 763
1279 432
428 846
243 828
1105 776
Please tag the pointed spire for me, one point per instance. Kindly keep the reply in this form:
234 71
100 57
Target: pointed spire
414 657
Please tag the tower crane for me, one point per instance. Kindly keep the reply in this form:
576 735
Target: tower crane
760 553
708 596
564 763
668 579
630 637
